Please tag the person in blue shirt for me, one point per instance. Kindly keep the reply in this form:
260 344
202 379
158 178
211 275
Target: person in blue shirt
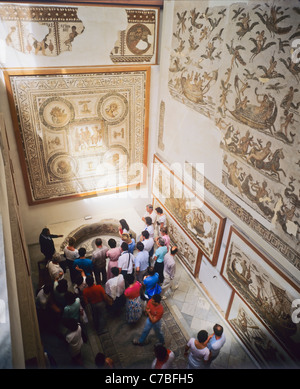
83 263
216 341
159 258
151 283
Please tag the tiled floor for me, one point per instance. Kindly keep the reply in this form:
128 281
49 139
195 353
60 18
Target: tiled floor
194 311
189 308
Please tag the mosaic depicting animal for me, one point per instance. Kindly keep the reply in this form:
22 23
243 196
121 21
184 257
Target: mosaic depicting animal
240 66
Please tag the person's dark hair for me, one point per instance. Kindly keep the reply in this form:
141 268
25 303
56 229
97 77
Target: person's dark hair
47 288
72 241
45 231
164 230
174 250
202 336
62 286
157 298
159 210
151 271
115 271
124 224
89 280
124 246
79 280
100 360
140 246
160 352
70 298
98 242
130 278
148 220
218 329
82 252
145 234
112 243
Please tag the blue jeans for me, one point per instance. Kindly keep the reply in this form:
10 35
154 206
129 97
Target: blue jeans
157 328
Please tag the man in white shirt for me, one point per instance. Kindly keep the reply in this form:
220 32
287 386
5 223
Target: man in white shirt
99 262
125 261
115 288
169 272
54 269
141 262
148 243
150 212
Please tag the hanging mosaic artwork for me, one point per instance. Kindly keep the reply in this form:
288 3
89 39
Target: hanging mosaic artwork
264 288
257 338
80 133
200 221
239 66
188 252
22 26
51 30
138 42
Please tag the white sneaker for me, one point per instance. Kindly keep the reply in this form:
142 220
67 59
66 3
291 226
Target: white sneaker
164 298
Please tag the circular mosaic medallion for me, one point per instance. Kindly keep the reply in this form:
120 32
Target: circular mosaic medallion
113 108
137 39
63 166
56 112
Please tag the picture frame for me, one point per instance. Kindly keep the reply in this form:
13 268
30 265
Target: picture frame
198 219
256 337
188 252
80 131
263 287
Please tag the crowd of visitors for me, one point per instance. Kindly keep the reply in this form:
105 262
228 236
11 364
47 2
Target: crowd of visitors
128 276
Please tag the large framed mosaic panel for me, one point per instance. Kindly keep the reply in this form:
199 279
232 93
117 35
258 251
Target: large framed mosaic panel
256 337
80 131
264 288
200 221
188 252
238 65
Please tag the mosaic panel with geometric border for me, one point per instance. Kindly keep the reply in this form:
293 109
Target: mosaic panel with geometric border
80 132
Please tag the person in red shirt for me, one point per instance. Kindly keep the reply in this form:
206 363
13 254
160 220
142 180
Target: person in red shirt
155 312
95 296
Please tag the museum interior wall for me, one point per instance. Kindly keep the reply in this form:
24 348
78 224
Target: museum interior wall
222 141
229 132
113 76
